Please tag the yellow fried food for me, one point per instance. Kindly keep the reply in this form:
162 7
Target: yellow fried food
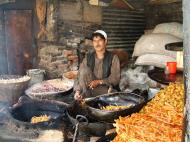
37 119
115 108
161 120
171 95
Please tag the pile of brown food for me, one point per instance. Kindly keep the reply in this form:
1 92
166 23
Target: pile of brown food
161 120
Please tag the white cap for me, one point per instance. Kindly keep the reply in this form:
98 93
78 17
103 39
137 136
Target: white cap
102 33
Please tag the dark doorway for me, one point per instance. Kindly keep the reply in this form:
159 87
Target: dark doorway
18 39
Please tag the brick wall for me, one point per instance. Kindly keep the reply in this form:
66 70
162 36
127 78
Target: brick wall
57 59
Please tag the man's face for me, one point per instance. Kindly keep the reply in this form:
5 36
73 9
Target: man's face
99 43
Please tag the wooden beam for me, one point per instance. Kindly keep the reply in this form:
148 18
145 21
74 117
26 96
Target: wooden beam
186 43
159 2
6 1
128 4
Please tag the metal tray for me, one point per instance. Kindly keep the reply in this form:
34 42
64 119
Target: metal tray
159 76
48 95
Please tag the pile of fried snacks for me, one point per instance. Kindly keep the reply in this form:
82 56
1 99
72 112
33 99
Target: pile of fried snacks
161 120
38 119
114 108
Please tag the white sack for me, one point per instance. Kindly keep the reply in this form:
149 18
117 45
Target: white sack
154 60
155 44
172 28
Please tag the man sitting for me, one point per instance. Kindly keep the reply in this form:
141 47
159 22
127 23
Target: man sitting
98 71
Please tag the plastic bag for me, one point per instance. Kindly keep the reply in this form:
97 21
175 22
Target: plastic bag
133 79
137 78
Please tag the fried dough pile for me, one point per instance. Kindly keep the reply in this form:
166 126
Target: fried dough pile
38 119
114 108
161 120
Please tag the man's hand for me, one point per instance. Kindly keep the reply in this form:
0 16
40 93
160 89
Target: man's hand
93 84
77 96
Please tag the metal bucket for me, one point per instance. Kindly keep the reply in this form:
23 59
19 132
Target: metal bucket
10 89
37 76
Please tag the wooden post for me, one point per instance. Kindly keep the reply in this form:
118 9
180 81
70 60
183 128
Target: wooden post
186 29
52 15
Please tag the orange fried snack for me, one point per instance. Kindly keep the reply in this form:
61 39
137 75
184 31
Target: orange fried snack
161 120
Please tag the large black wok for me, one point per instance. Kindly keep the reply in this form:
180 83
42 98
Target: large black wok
26 108
93 106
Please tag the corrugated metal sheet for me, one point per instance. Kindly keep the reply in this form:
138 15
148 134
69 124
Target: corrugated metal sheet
123 27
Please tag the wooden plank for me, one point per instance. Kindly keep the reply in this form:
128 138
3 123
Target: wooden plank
70 11
186 43
3 57
6 1
128 4
163 1
18 29
77 12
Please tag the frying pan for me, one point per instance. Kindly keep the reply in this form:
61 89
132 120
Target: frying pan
93 105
